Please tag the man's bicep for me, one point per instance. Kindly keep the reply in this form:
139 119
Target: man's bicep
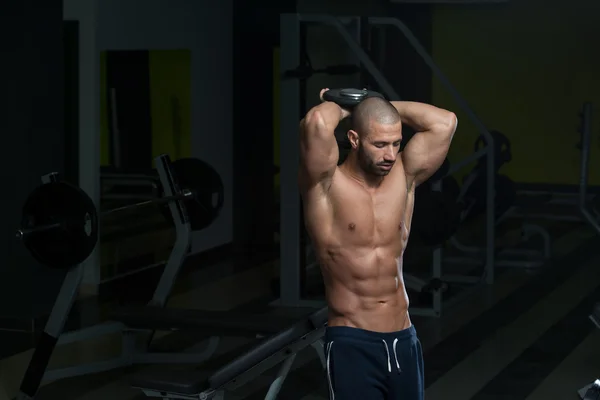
423 155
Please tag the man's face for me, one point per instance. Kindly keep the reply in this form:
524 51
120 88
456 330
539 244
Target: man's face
379 147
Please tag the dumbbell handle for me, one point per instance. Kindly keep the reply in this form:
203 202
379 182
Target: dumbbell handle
24 233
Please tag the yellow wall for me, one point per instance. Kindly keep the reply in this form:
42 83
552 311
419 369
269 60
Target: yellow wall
170 88
525 68
170 96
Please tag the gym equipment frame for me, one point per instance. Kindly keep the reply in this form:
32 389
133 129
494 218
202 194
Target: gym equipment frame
53 335
291 268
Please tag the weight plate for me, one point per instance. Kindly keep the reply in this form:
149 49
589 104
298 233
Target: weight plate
206 186
353 93
74 241
505 195
349 98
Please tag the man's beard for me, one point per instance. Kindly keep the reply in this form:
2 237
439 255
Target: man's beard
368 165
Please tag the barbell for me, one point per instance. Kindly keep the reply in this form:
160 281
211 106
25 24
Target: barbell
59 224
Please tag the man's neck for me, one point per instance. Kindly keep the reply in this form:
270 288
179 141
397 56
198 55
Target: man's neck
353 169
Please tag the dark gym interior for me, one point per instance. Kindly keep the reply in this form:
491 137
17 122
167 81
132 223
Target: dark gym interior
155 237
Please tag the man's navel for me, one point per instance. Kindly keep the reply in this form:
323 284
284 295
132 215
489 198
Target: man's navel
351 226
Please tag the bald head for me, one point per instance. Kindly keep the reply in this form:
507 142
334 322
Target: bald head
373 110
375 136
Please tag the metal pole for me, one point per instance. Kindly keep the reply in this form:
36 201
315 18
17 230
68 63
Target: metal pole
183 235
586 138
290 159
89 122
185 194
283 372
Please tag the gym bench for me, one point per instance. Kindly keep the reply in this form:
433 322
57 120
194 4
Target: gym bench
281 348
131 323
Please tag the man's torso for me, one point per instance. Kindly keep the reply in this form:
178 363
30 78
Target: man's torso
359 236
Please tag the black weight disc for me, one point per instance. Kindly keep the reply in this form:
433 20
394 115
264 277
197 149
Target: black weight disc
349 98
207 187
74 241
436 215
505 192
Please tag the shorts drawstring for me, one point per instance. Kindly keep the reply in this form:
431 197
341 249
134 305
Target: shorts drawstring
396 355
387 350
389 360
331 393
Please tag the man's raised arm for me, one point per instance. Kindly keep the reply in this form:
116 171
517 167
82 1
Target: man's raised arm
319 151
426 150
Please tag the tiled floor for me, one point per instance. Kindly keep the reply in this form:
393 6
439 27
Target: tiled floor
527 337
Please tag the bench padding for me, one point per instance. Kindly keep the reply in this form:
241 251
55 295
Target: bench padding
189 383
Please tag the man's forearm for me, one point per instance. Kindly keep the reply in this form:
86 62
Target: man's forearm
328 113
423 117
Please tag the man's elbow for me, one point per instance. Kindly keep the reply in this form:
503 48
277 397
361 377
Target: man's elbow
314 126
311 120
450 123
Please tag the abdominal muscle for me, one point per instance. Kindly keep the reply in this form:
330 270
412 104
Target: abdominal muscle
364 288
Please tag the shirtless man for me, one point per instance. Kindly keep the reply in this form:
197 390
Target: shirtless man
358 216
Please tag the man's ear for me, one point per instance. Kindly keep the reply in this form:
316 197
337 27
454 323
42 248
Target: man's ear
353 138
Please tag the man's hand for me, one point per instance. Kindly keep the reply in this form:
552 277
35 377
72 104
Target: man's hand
345 113
428 148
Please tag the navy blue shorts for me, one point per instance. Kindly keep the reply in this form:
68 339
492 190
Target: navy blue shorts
370 365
